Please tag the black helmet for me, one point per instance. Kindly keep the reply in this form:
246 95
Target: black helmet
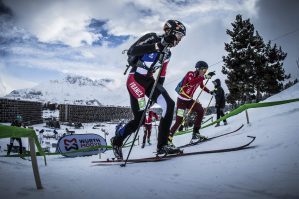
201 65
217 82
175 26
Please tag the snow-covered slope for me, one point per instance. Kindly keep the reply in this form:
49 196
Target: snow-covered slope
268 170
72 90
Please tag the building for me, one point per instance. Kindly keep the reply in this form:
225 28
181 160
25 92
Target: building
78 113
31 112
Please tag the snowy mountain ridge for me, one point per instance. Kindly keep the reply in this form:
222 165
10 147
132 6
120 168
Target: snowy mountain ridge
71 89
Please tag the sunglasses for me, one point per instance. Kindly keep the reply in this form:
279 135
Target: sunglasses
178 35
203 69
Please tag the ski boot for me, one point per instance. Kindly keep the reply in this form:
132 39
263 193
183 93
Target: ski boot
217 125
169 141
149 142
225 123
196 137
117 150
142 146
168 150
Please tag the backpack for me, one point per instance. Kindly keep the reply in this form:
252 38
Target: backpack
132 60
179 86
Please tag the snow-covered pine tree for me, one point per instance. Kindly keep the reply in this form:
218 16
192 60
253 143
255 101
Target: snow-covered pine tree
238 62
252 67
274 74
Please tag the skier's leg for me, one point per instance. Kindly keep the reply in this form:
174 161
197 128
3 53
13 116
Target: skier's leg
149 132
218 115
222 114
144 135
198 109
137 106
131 126
10 146
167 104
20 144
181 106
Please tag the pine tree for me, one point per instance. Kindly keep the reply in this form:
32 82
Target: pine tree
252 68
237 64
274 74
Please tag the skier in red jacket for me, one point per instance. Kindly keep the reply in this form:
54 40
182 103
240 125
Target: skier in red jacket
186 89
148 126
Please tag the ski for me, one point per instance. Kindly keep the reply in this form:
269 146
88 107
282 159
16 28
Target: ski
110 162
217 136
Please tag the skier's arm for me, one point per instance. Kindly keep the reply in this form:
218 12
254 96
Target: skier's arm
203 87
163 73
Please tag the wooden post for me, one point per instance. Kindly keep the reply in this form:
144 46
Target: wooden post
99 150
247 117
34 164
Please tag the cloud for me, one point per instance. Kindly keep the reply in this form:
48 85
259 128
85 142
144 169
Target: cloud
9 82
66 21
87 37
277 21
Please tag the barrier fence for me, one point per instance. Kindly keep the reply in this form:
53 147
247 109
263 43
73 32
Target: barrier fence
12 131
241 109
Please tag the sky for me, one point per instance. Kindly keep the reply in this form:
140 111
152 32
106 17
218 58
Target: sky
45 40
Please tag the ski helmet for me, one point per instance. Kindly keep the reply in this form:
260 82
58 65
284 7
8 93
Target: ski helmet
175 26
217 82
201 65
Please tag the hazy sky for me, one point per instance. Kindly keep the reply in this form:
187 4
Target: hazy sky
43 40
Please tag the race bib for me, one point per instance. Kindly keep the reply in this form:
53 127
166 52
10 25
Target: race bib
141 103
180 112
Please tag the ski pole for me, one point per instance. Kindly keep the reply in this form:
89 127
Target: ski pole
208 105
125 142
147 106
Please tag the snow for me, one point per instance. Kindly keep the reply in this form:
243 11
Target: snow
268 170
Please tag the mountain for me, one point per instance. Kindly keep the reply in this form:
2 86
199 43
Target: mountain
72 90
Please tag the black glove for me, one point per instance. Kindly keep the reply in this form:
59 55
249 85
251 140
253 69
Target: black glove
210 75
213 92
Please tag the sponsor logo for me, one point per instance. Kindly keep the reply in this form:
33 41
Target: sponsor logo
70 144
151 55
136 90
89 142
